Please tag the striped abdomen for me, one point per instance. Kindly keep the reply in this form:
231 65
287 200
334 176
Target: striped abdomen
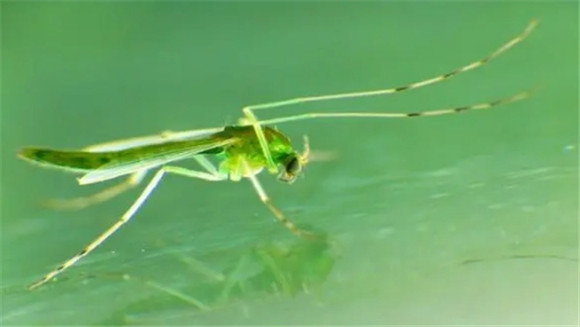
67 160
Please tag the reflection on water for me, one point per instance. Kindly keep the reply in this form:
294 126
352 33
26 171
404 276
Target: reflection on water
267 269
519 256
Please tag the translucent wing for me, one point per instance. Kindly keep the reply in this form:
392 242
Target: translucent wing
168 136
150 156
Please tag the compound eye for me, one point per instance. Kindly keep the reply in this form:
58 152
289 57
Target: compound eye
293 166
291 170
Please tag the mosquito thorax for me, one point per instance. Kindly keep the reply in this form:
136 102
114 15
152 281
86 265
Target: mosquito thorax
250 149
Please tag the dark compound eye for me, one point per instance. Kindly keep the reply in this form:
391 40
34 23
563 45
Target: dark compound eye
292 166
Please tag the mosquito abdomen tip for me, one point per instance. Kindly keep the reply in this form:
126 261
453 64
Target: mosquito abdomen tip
33 154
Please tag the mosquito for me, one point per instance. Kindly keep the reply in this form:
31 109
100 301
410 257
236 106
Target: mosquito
241 151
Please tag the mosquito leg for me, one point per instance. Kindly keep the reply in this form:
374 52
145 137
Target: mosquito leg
132 181
268 203
126 216
438 112
206 164
101 238
252 120
104 195
195 174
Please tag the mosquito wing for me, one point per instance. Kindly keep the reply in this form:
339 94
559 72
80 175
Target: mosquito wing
167 136
150 156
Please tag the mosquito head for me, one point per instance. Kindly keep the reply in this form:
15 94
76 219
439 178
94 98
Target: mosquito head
292 165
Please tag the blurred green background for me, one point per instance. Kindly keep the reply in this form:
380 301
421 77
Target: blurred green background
465 219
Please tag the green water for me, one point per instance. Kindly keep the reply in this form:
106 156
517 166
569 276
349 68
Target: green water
465 219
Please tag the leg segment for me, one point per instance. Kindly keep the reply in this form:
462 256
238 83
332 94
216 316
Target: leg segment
104 195
111 192
268 203
127 216
206 164
438 112
251 119
506 46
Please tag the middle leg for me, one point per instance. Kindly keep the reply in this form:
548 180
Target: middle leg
78 203
126 217
268 203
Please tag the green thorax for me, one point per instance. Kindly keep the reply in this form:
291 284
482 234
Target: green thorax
248 147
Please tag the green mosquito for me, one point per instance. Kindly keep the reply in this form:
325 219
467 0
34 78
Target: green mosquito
243 151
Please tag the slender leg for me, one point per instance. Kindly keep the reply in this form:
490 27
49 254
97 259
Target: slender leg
194 173
438 112
127 216
476 64
268 203
206 164
104 195
251 119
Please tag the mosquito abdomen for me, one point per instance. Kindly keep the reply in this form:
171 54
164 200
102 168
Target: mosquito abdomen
66 160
